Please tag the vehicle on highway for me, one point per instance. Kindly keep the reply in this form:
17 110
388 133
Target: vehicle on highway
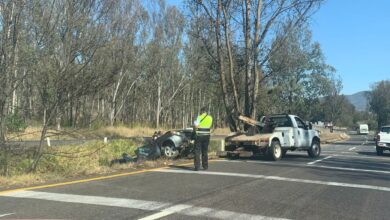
363 129
383 140
273 136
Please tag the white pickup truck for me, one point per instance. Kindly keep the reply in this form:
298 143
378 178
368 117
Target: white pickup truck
383 140
273 136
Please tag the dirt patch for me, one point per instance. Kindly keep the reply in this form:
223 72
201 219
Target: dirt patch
328 138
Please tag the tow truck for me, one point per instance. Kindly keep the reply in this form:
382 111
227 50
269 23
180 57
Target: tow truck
273 136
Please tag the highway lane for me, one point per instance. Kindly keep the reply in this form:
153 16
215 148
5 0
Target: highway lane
347 182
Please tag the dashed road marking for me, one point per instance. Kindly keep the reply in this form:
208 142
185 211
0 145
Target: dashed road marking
169 211
278 178
310 166
352 148
163 208
311 163
355 169
158 215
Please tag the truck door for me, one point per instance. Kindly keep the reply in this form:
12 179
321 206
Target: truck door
301 134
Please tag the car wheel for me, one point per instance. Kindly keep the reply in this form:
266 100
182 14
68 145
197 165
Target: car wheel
315 149
275 151
379 152
169 151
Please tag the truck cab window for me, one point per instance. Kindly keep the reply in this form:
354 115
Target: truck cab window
300 123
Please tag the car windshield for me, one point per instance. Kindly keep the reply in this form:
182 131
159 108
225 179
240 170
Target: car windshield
385 129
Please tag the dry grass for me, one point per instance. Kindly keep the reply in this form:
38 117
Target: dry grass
221 131
34 133
75 161
122 131
328 137
27 180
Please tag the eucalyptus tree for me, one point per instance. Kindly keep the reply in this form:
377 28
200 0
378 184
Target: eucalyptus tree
11 23
244 30
301 75
67 35
164 69
126 27
379 100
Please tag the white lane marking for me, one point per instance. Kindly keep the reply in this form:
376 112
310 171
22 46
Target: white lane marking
354 155
311 166
311 163
222 214
6 214
255 176
92 200
352 148
157 215
354 169
164 209
165 212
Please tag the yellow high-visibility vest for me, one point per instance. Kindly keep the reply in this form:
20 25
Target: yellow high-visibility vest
204 123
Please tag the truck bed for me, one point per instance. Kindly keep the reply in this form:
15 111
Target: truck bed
256 137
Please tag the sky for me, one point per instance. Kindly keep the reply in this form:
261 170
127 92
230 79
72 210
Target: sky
355 39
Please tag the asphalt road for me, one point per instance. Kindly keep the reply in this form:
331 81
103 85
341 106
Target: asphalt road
348 181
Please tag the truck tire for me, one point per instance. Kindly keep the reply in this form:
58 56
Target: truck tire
315 149
274 152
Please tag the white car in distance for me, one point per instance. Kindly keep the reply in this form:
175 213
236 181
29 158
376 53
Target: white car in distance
383 140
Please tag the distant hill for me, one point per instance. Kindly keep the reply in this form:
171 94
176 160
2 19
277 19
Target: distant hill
359 100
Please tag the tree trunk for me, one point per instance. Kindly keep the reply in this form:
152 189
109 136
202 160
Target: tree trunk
14 86
248 78
159 84
256 68
232 123
231 62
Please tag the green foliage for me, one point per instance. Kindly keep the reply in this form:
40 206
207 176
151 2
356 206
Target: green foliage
91 157
379 100
300 74
97 123
15 122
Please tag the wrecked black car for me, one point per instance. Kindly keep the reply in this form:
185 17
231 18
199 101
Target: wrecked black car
170 145
176 143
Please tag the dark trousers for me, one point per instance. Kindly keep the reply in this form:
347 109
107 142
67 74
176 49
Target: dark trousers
201 147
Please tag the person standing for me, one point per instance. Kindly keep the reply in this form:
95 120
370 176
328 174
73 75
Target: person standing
202 127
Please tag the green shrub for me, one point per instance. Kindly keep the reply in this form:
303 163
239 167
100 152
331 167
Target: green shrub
87 158
97 123
15 122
